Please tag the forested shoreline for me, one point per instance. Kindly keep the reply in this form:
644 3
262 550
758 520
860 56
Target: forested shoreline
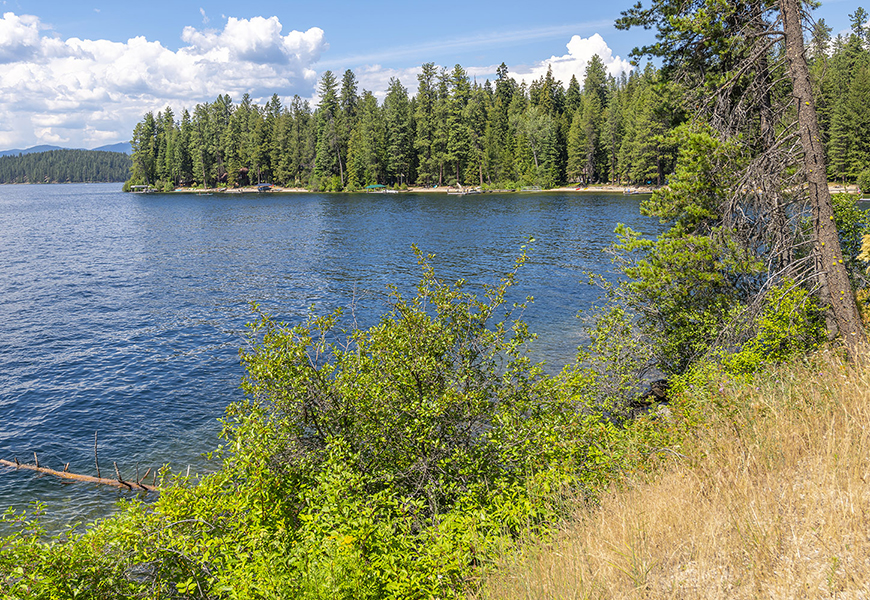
65 166
501 134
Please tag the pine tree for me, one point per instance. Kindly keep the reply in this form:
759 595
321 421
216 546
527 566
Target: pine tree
347 111
424 137
458 132
576 149
442 126
613 131
477 117
397 119
366 147
328 161
858 111
572 96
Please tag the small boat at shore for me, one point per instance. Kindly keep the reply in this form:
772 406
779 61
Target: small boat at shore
464 191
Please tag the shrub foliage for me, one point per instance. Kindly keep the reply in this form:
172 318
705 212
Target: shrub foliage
390 462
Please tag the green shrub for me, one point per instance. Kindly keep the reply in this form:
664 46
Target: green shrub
427 401
853 224
790 324
391 462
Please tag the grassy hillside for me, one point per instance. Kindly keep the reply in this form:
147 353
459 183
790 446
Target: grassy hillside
768 498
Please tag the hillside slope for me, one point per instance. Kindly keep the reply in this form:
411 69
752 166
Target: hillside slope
770 499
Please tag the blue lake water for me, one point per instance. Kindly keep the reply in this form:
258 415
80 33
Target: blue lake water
123 314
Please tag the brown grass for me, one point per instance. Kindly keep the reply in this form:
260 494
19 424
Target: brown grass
771 500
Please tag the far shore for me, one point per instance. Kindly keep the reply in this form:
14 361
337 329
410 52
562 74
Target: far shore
835 188
441 189
595 188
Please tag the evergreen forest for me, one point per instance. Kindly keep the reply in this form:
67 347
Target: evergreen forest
500 134
65 166
428 456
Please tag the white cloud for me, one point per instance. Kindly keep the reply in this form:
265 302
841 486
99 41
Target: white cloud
580 51
87 92
19 37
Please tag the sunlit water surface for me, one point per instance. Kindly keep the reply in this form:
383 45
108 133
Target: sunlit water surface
123 314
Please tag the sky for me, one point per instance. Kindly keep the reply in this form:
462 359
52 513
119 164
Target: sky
82 74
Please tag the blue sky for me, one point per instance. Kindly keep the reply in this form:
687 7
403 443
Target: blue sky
82 74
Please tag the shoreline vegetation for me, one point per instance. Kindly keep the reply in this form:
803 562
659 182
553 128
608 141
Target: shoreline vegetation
500 134
444 189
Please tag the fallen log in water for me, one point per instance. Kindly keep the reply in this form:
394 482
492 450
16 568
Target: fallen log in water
121 483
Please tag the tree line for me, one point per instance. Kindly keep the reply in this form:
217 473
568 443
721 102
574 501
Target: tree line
65 166
841 70
456 130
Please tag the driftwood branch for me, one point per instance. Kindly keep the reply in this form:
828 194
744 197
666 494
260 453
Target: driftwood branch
119 482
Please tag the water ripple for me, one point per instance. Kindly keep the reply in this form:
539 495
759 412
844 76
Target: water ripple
123 314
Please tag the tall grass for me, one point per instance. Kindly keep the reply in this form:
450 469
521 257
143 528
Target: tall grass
769 498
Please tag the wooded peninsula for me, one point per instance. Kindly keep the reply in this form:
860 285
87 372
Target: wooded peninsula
709 441
501 134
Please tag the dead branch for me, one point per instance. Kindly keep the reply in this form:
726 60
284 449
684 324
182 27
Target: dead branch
119 482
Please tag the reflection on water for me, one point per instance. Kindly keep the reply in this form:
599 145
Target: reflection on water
123 314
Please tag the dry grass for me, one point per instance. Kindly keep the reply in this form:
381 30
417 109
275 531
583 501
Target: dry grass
772 500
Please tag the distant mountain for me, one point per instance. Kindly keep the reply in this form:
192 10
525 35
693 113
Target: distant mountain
29 150
119 147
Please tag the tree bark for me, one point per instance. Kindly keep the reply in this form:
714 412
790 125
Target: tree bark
833 271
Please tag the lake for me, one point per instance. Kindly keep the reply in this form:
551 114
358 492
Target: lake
123 314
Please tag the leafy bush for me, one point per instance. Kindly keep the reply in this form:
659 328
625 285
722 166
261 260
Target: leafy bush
853 224
391 462
431 403
332 184
791 324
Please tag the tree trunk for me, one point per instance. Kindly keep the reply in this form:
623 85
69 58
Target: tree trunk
833 271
